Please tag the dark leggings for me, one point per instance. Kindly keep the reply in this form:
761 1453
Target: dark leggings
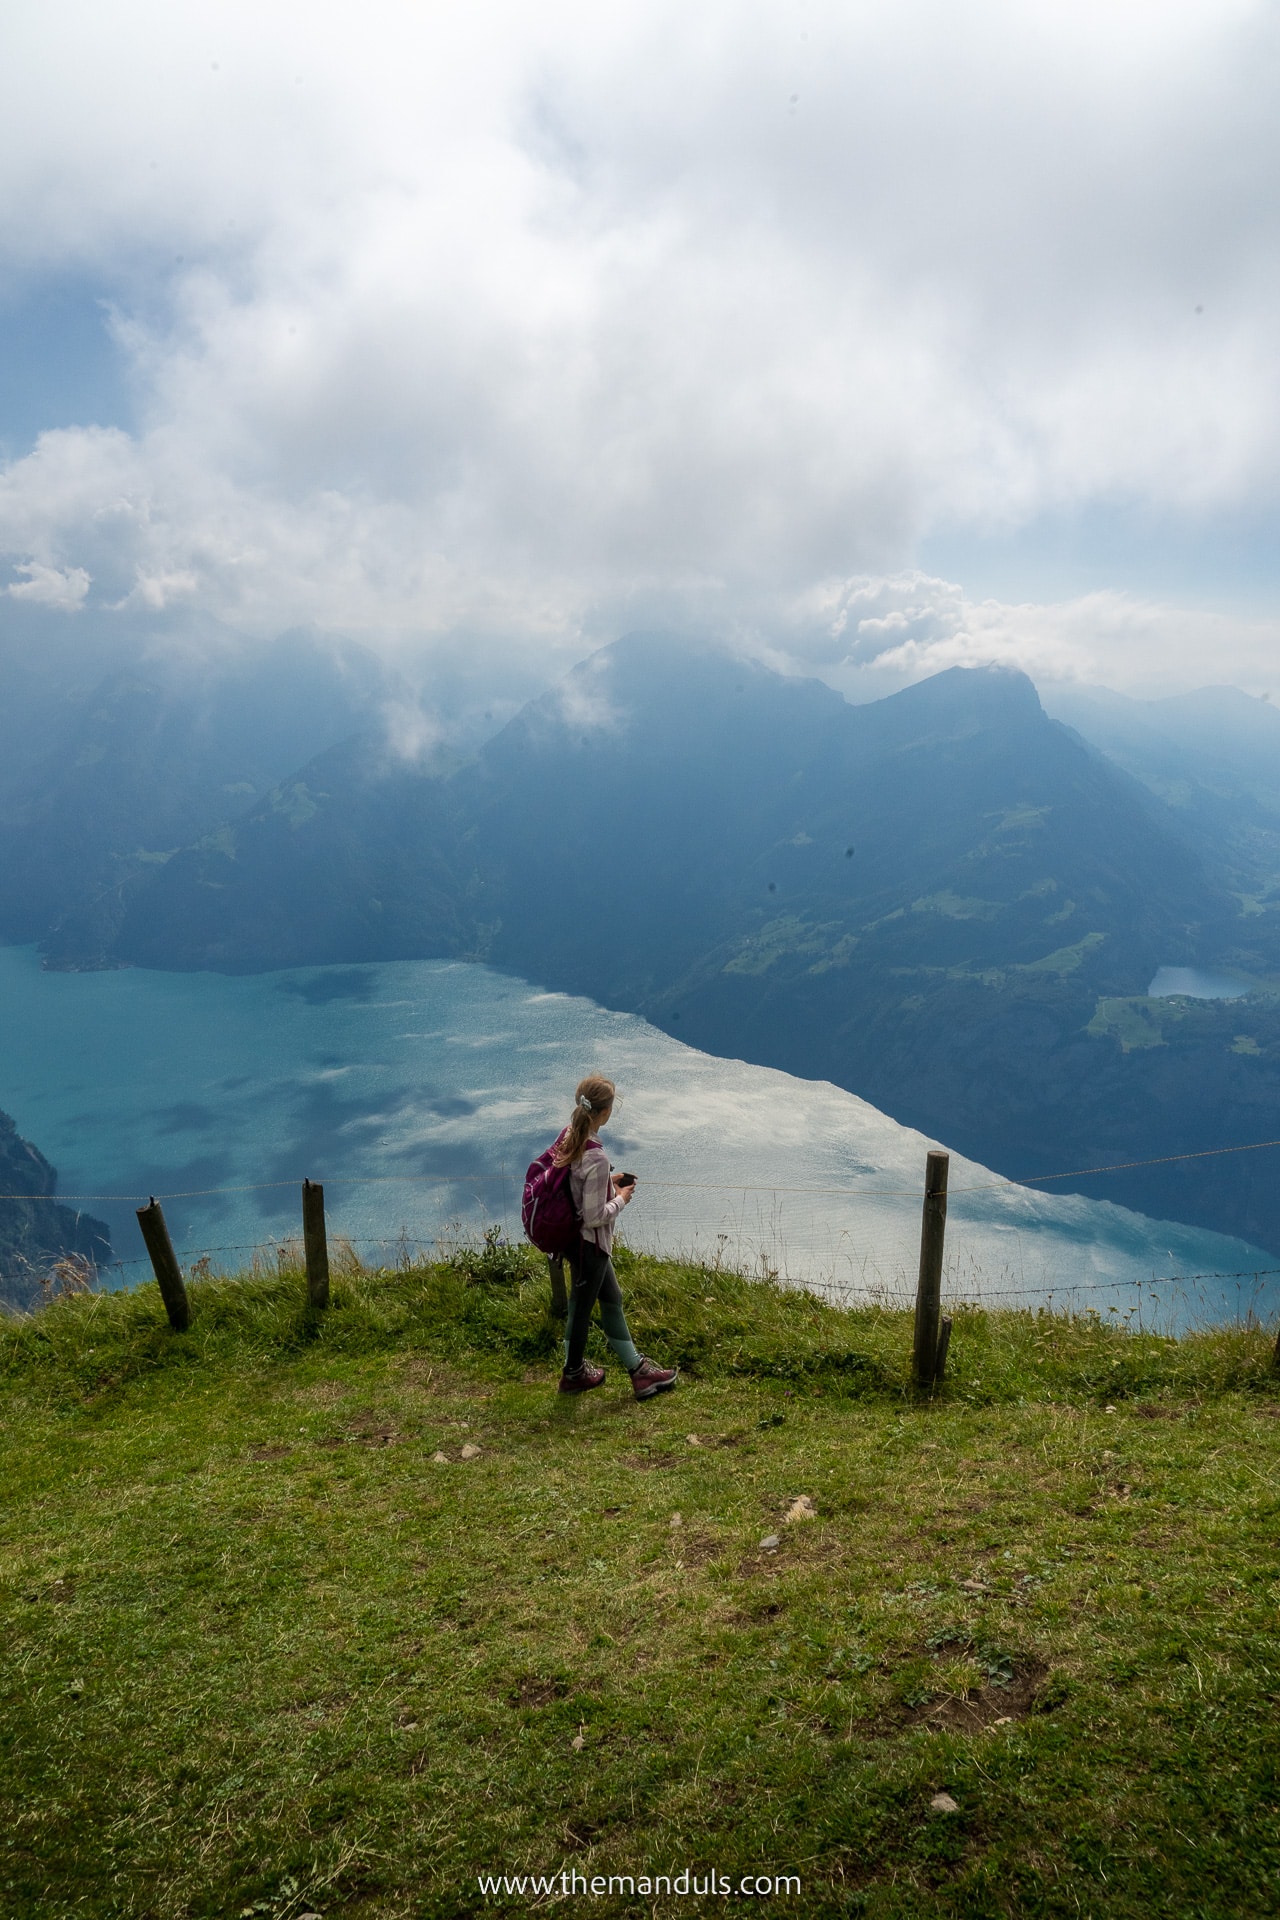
594 1279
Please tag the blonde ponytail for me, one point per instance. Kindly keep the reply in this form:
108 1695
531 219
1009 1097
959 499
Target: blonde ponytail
593 1098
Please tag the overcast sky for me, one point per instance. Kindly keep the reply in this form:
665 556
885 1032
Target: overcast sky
881 336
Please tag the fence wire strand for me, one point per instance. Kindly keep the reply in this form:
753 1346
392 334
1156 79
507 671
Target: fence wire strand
690 1186
757 1230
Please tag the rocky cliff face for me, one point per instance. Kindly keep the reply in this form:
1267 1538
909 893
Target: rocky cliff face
35 1230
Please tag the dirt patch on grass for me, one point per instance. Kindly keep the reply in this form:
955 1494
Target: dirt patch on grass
534 1690
982 1707
269 1452
801 1548
649 1462
753 1565
583 1834
1010 1695
371 1433
695 1549
760 1614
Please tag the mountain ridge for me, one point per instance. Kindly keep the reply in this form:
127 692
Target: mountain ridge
946 901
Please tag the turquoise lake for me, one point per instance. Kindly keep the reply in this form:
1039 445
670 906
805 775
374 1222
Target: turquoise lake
417 1091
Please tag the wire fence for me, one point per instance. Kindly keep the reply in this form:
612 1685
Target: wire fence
856 1244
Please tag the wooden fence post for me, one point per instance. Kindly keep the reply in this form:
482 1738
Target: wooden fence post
559 1297
933 1226
315 1244
165 1263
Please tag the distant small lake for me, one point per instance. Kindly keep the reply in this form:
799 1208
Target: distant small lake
1196 984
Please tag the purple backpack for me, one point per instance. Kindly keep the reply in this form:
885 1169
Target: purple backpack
549 1216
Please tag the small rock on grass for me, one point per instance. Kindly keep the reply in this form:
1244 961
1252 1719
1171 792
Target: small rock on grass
439 1459
677 1521
943 1803
771 1543
801 1509
470 1453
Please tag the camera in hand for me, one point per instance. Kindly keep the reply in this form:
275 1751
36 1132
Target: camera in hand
626 1179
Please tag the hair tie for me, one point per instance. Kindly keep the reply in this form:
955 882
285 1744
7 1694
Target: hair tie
585 1104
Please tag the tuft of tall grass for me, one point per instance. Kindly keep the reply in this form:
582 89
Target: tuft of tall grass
491 1304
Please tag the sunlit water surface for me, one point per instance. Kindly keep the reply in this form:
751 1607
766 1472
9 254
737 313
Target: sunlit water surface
417 1091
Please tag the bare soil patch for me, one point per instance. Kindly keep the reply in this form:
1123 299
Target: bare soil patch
695 1549
983 1707
754 1564
374 1434
1000 1702
535 1690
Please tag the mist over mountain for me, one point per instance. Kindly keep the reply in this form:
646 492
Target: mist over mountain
1212 758
114 774
946 900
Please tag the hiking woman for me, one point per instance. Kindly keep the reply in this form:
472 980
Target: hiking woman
598 1200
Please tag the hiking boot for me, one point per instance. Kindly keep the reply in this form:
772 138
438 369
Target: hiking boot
583 1380
648 1379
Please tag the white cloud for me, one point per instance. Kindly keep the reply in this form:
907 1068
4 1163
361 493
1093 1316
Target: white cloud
47 587
529 321
585 702
410 731
867 636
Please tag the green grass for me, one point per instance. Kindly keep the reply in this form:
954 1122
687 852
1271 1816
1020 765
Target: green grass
264 1654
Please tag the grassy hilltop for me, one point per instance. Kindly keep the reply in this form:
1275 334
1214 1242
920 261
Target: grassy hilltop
332 1619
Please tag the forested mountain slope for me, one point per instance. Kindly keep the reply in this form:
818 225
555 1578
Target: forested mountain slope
945 901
